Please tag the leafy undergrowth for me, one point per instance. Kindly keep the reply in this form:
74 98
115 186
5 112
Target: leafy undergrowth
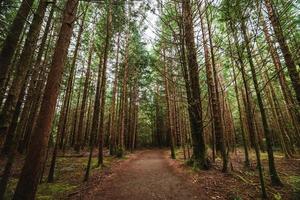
69 174
241 183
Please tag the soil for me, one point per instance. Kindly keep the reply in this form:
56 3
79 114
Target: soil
148 175
152 174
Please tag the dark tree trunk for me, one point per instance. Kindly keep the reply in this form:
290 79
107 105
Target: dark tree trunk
169 106
11 41
79 142
29 178
287 55
112 121
95 121
22 69
249 110
103 82
195 110
212 82
273 173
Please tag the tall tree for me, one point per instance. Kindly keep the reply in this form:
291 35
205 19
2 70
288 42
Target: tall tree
195 107
287 55
22 69
27 185
11 41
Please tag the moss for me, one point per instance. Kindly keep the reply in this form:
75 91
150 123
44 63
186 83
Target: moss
10 188
68 176
277 196
178 152
45 191
119 152
294 181
53 190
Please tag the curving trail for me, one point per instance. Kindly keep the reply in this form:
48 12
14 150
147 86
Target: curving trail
148 176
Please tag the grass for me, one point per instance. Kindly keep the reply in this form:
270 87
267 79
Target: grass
294 181
69 173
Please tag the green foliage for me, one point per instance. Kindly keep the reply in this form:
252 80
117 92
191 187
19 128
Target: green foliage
119 152
277 196
53 190
295 183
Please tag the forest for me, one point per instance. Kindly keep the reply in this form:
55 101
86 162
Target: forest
149 99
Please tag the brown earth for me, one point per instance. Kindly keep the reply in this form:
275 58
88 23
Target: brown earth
147 175
152 175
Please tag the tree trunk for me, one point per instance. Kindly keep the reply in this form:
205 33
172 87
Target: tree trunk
66 104
124 95
103 82
287 55
169 106
79 142
294 113
27 185
272 169
195 107
21 69
213 89
95 121
112 124
249 111
11 41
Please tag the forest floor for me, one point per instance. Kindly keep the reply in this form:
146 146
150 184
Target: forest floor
151 174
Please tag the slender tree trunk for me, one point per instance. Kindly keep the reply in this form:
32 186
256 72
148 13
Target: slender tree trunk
212 82
79 142
112 124
11 150
50 178
27 185
124 95
195 110
66 104
169 106
272 169
11 41
243 129
279 125
95 121
249 111
21 69
13 125
287 55
103 82
15 59
294 113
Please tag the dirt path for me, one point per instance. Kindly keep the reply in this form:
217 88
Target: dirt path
147 176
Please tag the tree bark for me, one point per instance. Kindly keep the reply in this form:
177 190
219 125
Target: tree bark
195 110
79 142
21 69
272 169
287 55
169 106
95 121
124 95
112 124
249 110
11 41
103 81
27 185
212 82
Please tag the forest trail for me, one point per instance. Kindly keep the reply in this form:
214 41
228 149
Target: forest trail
147 176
